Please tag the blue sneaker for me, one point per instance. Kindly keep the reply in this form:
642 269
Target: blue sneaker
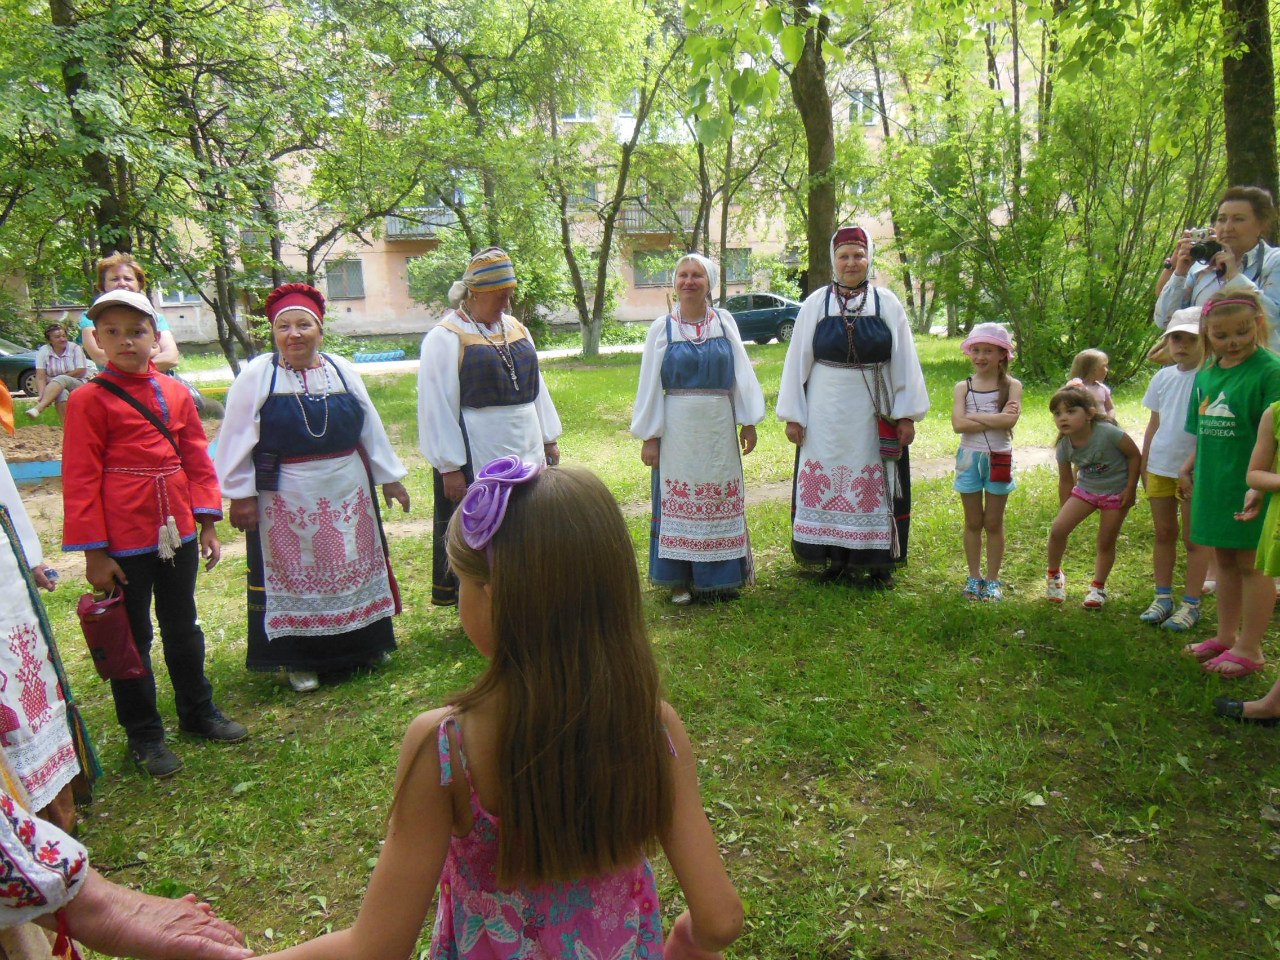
973 588
993 590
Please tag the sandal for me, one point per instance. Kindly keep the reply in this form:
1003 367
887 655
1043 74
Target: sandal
1246 665
1205 650
1234 710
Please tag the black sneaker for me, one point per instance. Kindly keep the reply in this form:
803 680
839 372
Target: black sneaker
155 758
214 726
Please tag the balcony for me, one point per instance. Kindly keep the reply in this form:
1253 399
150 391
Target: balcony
419 223
635 219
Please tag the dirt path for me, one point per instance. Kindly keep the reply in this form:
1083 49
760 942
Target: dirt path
44 500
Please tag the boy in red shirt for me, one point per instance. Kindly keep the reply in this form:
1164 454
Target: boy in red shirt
134 488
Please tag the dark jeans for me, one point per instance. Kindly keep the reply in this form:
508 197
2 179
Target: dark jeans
174 585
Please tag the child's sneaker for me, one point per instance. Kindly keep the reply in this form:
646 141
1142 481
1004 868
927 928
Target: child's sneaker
1055 588
1095 598
1161 609
973 588
993 591
1185 619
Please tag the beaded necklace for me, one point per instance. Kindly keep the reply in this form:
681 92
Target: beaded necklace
300 377
502 348
701 329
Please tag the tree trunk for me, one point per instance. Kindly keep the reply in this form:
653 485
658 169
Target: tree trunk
110 218
725 197
1248 96
813 101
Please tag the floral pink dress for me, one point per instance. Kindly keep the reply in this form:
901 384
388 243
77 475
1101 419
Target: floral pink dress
607 917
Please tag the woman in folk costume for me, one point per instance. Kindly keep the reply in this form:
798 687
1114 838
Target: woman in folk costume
300 454
41 732
480 397
696 387
851 392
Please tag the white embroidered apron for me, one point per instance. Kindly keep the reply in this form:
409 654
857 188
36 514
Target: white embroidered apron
703 510
325 571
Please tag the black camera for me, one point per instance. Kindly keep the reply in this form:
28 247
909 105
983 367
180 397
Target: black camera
1205 247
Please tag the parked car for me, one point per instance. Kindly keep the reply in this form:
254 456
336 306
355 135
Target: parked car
18 368
763 316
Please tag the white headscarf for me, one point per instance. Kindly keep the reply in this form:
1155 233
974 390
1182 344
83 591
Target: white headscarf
709 268
866 239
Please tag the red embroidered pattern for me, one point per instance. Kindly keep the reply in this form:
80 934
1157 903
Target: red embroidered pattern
35 696
709 501
337 621
48 770
813 483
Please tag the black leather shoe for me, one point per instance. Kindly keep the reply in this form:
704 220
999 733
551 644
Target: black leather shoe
214 726
1234 710
155 758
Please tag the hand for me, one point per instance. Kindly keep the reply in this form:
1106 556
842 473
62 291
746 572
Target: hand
1225 263
1184 484
552 453
795 432
747 438
1128 498
1182 255
455 485
210 546
1253 501
650 451
906 431
1074 382
117 921
103 573
43 580
244 513
396 491
680 945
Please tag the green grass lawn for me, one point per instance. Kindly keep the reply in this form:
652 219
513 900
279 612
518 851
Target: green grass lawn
900 775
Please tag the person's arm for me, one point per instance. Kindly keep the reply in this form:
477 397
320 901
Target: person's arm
167 355
1186 475
714 916
748 398
1066 479
1175 292
1134 458
961 420
384 463
647 412
440 402
240 432
77 357
908 395
404 882
119 922
89 335
1153 425
84 519
793 404
1261 478
42 375
1109 405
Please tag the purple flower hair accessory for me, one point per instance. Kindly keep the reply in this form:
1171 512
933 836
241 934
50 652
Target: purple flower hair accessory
485 503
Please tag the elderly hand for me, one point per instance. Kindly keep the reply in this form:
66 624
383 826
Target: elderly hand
244 513
650 451
551 453
120 922
43 579
1182 255
795 432
1226 264
906 431
396 491
455 485
747 438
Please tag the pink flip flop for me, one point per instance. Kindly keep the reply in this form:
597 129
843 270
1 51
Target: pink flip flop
1246 666
1205 650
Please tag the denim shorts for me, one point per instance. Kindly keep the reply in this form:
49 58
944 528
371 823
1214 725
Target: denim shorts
973 474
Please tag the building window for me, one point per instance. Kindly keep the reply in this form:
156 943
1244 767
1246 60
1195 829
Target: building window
862 108
737 265
176 291
344 279
585 194
652 268
579 113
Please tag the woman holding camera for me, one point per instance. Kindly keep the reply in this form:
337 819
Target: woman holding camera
1237 251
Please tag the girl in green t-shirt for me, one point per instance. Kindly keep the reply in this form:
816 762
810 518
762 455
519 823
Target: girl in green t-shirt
1227 403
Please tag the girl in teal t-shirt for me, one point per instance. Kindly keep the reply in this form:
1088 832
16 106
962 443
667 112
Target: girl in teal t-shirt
1227 403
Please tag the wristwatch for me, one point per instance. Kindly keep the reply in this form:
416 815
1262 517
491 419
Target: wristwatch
1168 263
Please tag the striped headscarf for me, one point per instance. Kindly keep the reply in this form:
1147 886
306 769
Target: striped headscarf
490 269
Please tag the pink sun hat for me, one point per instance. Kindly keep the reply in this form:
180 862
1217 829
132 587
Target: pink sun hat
991 333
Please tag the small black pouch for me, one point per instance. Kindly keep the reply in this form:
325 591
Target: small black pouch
266 470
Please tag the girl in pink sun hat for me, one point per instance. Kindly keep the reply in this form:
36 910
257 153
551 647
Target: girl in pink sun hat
985 407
